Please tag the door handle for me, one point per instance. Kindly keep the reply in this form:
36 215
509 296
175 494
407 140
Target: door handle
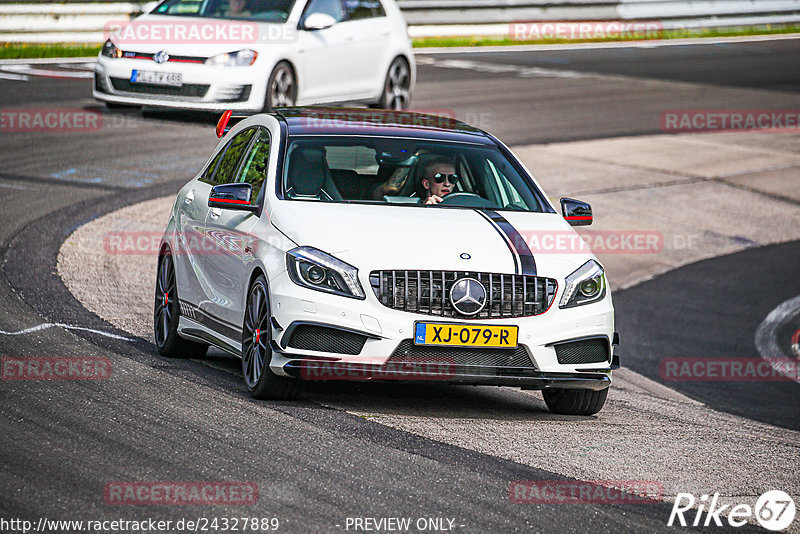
189 197
214 213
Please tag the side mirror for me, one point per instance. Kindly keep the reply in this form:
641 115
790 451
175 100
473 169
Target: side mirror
318 21
575 212
231 197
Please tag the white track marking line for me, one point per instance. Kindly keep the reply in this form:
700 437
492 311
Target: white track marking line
28 69
44 326
12 186
17 77
766 334
518 70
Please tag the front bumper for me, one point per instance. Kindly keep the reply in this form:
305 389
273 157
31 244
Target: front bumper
203 87
386 351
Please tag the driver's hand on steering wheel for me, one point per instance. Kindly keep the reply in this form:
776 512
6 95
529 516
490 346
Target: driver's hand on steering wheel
433 199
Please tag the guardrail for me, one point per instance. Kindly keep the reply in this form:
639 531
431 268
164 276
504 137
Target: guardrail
83 22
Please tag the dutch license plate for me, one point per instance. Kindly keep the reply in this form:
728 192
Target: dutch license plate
465 335
174 79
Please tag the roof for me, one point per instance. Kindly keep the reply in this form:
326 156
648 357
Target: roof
360 121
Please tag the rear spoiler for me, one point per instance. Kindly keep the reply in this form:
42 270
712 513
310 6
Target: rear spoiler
227 121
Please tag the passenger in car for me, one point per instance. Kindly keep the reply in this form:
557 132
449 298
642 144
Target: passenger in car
237 9
438 180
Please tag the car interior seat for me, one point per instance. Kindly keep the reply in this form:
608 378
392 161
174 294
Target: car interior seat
310 177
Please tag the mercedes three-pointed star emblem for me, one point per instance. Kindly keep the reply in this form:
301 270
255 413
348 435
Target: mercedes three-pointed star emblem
468 296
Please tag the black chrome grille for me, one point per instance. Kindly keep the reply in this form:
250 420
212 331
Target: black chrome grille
187 89
466 361
428 292
586 351
324 339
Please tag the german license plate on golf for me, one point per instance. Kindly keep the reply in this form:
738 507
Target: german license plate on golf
465 335
174 79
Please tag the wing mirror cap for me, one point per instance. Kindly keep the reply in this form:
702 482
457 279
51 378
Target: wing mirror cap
576 212
318 21
232 197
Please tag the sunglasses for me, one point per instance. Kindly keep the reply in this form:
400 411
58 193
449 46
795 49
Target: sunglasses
440 177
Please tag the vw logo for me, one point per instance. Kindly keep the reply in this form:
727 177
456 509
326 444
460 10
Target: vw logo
468 296
161 57
465 256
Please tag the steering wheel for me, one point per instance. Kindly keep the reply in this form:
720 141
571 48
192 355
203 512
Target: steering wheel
466 199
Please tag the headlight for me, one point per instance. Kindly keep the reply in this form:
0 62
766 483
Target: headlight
314 269
586 285
110 50
242 58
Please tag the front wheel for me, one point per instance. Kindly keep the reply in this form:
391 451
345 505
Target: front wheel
575 401
166 314
397 87
256 351
281 88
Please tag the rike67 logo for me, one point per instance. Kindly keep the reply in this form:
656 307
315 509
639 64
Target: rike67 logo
774 510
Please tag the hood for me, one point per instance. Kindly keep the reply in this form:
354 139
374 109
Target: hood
418 238
152 33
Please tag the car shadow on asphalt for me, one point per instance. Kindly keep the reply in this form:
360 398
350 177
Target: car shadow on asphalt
424 400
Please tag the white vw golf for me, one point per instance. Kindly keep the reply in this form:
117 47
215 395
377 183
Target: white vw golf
254 55
332 243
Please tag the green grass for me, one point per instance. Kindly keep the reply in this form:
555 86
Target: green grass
424 42
34 50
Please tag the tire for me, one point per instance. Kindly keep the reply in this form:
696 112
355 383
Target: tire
256 352
281 87
397 86
166 313
575 401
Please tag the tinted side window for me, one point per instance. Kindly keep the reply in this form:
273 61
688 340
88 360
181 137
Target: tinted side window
363 9
209 173
254 170
226 172
329 7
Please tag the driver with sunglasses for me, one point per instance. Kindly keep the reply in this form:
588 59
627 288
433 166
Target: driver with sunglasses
439 179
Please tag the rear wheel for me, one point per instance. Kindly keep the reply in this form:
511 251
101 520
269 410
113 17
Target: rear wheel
166 314
256 351
575 401
281 87
397 87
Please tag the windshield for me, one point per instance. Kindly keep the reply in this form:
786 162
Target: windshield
409 172
254 10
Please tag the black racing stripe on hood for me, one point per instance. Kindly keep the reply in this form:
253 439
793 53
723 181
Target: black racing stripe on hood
515 241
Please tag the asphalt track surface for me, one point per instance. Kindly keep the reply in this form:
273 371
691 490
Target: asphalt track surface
158 419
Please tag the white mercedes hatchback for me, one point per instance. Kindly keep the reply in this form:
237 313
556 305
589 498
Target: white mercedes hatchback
255 55
336 244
